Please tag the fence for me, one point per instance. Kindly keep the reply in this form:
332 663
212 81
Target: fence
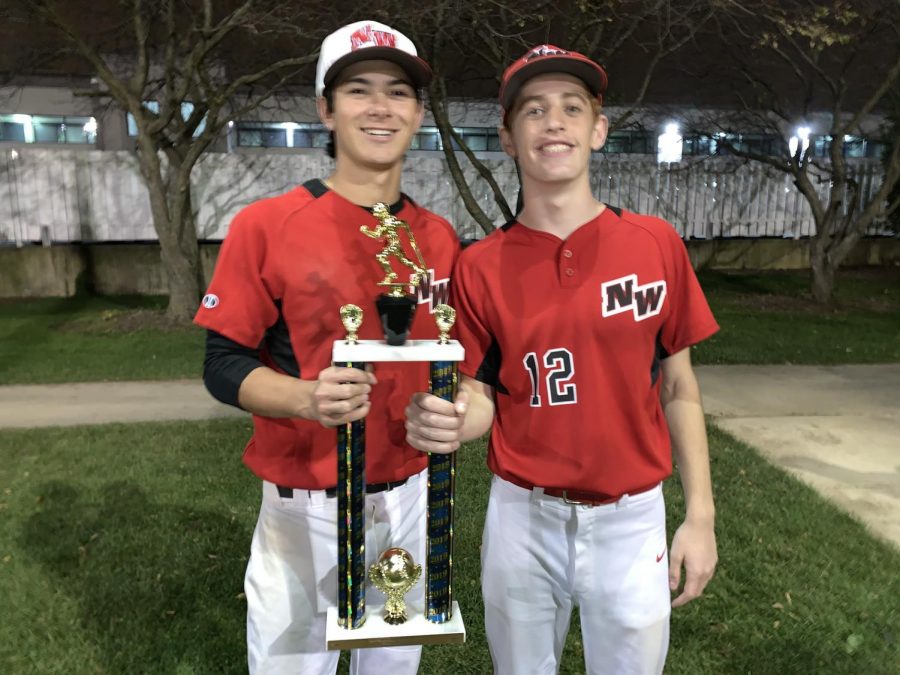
93 196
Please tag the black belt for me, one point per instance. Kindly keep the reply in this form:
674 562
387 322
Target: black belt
371 489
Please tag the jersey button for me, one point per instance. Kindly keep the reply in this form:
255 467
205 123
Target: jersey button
570 272
567 253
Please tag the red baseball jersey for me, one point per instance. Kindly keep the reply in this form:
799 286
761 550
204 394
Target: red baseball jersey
290 262
570 335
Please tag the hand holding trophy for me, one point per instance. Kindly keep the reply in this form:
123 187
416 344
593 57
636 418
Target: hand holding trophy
439 621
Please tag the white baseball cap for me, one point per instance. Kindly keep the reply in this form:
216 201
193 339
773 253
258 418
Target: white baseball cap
364 41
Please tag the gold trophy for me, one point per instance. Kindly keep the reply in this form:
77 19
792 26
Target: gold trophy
444 317
396 307
351 317
437 620
395 574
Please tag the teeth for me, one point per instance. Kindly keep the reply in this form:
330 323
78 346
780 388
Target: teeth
555 147
378 132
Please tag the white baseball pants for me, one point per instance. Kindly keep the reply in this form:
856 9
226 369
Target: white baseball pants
291 578
540 555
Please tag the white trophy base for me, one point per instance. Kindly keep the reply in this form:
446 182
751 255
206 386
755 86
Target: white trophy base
417 630
375 351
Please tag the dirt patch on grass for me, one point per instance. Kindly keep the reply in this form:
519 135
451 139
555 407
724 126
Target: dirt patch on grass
113 321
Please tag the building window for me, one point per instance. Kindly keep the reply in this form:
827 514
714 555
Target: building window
21 128
630 141
281 135
12 131
186 109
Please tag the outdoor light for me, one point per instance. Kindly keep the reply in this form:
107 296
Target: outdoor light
25 121
669 145
799 140
90 128
13 154
289 132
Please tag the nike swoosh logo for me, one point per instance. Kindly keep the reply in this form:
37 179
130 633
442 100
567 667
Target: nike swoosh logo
661 555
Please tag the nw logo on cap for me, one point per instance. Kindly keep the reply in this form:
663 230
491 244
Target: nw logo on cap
369 37
545 50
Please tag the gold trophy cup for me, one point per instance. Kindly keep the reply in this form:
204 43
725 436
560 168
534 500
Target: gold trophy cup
395 574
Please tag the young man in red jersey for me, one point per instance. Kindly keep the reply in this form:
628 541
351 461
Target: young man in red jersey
285 268
577 319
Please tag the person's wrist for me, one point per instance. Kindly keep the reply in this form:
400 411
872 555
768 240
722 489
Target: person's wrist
301 399
701 515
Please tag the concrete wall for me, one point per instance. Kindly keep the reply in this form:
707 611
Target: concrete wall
124 269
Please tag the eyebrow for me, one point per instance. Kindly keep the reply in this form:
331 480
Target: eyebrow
539 98
359 79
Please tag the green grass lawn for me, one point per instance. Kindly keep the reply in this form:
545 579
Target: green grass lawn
765 318
122 550
771 318
84 339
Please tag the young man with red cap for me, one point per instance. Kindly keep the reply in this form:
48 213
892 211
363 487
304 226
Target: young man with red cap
272 314
577 319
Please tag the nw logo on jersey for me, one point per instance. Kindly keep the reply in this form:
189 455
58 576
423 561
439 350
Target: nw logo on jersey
433 291
210 300
624 295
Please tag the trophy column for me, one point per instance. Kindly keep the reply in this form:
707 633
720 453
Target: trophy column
441 492
351 496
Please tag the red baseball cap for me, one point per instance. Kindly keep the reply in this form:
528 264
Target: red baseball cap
550 59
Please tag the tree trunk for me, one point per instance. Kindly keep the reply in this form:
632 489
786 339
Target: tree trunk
173 220
180 255
442 121
823 269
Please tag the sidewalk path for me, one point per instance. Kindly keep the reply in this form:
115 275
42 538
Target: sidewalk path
835 427
30 405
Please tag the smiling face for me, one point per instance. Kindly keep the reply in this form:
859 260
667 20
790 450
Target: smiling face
552 128
374 114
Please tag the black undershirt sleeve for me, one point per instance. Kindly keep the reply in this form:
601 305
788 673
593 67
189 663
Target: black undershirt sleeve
226 365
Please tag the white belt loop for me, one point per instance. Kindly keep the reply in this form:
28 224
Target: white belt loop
623 502
316 497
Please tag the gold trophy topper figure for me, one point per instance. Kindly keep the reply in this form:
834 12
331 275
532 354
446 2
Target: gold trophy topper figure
394 574
444 317
351 317
388 230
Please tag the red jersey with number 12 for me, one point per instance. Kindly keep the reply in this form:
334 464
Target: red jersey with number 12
570 334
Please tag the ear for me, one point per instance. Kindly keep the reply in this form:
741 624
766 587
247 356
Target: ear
324 115
598 136
420 114
506 141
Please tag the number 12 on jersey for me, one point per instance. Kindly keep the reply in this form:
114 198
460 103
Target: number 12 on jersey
559 367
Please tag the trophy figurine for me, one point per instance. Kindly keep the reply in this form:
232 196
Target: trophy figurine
444 317
351 317
396 307
394 574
